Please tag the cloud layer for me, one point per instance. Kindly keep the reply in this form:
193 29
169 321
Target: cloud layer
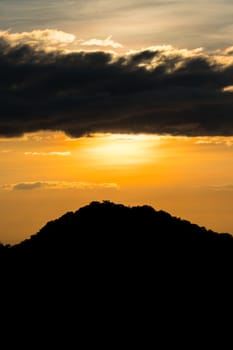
155 90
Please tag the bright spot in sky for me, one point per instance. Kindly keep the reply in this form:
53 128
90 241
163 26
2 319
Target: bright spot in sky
123 149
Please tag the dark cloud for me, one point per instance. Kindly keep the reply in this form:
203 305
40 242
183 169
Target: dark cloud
158 90
59 185
29 186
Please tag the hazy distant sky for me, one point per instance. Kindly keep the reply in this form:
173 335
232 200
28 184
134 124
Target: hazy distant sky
138 23
130 101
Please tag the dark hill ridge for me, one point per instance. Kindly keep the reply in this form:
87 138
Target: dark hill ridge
118 264
108 217
107 241
108 228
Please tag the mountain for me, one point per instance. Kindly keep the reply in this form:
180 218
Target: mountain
107 232
118 270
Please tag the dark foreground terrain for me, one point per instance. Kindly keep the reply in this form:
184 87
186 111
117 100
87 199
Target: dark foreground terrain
113 238
109 272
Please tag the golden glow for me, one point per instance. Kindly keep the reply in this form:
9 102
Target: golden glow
45 174
228 88
122 150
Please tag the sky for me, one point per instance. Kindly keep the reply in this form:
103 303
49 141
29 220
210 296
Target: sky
129 101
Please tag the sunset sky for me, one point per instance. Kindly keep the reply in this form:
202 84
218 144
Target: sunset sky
130 101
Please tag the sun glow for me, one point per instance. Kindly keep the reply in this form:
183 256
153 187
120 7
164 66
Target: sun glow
188 176
122 149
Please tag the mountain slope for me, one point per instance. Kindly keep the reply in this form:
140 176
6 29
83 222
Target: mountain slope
102 228
113 262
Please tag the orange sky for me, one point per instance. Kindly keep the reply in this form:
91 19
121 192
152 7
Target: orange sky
45 174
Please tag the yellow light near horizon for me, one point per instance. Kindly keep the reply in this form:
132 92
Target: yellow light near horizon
121 149
123 159
45 174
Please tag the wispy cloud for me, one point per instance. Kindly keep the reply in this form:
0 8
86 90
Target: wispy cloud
57 185
207 23
225 141
40 39
54 153
228 88
220 188
6 151
102 42
29 186
54 40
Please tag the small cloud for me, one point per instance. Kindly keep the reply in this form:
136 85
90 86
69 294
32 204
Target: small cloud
28 186
228 88
54 153
102 42
225 188
58 185
215 140
40 39
5 151
6 187
228 50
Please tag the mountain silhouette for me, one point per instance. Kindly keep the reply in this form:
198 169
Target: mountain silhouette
118 270
107 233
